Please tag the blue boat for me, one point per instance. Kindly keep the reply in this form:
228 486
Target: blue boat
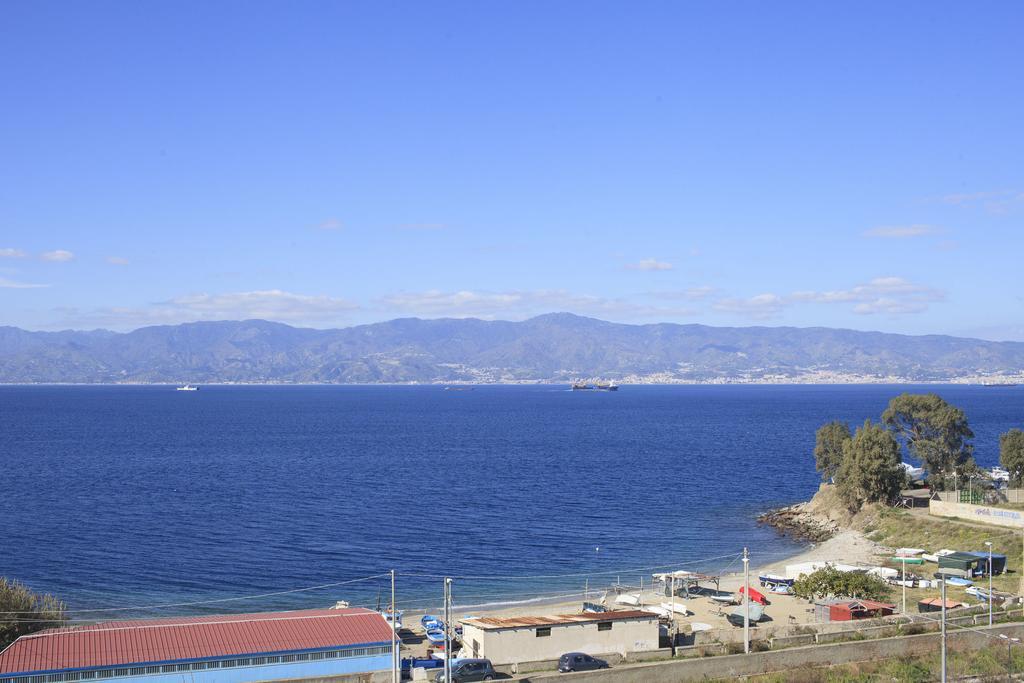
435 636
426 619
775 580
957 581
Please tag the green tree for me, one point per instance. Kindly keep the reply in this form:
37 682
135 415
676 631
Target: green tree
1011 455
934 432
871 469
829 582
829 441
23 612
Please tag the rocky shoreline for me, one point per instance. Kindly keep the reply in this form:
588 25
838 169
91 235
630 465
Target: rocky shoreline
797 522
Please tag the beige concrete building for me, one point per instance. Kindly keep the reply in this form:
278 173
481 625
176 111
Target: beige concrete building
529 639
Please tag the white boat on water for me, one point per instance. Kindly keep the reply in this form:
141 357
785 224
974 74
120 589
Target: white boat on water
999 474
187 387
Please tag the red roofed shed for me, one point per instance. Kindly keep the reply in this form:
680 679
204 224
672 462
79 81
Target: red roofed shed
153 643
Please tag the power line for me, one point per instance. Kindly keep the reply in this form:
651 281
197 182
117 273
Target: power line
213 601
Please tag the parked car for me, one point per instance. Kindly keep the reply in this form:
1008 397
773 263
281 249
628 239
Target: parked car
579 661
466 670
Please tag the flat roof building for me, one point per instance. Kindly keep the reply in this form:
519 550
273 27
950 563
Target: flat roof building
233 648
531 639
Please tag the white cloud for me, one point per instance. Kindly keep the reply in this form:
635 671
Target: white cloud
902 231
993 201
331 224
893 295
11 253
117 261
6 283
272 304
762 306
57 255
521 304
649 264
688 294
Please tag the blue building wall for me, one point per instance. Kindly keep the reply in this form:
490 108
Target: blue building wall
269 672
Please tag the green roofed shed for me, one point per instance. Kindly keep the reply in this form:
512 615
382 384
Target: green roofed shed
965 562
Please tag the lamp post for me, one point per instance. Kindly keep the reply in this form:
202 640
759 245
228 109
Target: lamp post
942 583
989 544
903 561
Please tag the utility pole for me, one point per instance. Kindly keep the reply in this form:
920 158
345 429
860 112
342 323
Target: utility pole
746 602
989 544
447 630
672 590
394 632
942 582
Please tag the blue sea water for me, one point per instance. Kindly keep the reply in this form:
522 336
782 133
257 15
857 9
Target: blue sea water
113 497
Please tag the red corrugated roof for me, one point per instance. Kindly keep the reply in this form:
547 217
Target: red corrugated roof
116 643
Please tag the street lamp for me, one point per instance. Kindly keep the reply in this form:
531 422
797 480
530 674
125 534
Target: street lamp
989 544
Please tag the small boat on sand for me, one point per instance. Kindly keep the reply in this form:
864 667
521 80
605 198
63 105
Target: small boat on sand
678 608
756 613
957 581
393 617
723 598
755 596
435 636
774 579
627 599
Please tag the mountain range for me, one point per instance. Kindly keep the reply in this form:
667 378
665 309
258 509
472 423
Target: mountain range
556 347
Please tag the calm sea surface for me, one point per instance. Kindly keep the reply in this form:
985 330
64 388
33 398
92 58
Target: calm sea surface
114 497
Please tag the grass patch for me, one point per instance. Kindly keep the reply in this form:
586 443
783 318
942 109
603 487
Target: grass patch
900 528
987 662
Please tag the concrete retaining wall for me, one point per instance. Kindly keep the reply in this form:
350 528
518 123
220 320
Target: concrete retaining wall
978 513
614 659
731 666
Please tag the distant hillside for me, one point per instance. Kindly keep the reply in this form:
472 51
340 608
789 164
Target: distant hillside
554 347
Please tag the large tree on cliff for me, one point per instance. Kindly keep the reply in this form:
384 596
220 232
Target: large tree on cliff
1011 455
871 469
23 612
934 432
829 441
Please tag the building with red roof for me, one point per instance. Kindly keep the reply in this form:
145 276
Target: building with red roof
232 648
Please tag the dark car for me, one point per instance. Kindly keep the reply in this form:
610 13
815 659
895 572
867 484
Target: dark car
466 670
579 661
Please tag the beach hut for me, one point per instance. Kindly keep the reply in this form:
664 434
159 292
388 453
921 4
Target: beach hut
935 605
998 562
962 564
851 610
507 640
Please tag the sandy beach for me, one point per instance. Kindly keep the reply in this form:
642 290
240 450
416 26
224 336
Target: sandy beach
784 611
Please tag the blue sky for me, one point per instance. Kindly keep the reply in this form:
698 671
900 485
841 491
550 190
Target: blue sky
328 164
